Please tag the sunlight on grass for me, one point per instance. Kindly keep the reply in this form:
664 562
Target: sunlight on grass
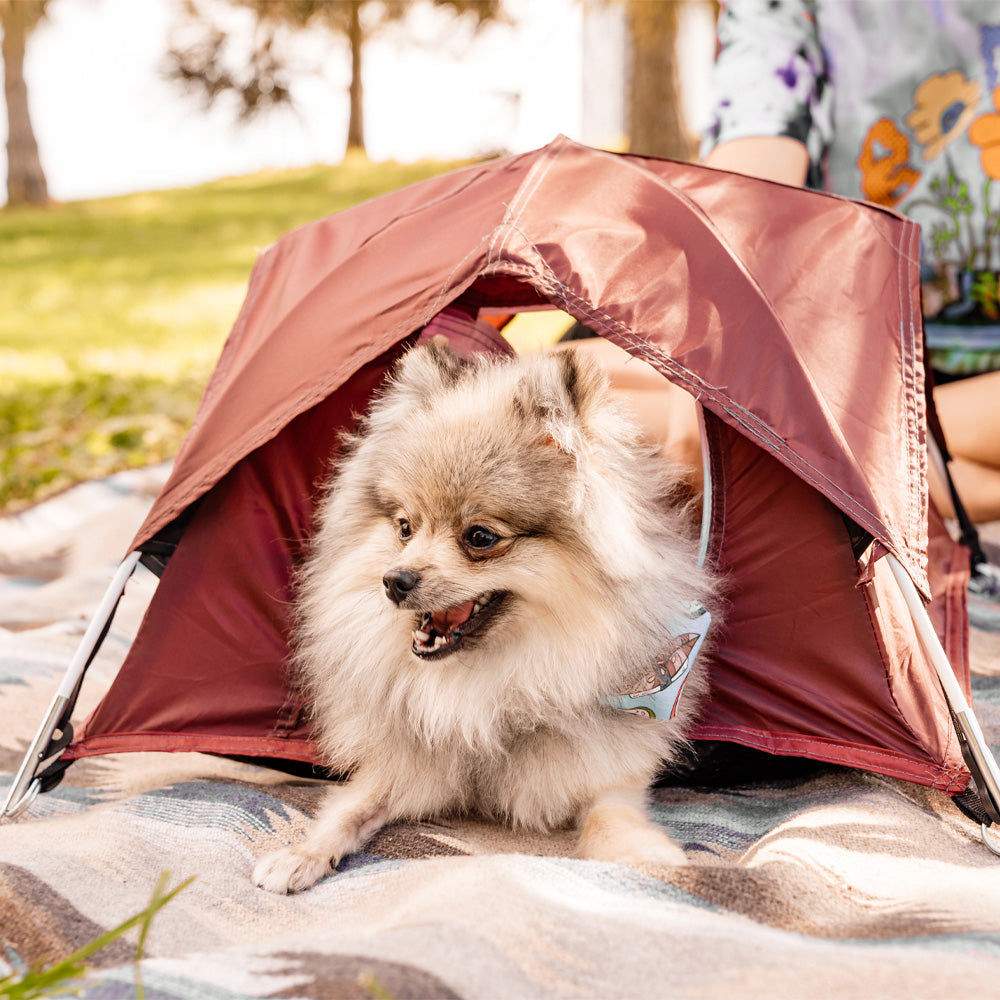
114 311
531 331
195 309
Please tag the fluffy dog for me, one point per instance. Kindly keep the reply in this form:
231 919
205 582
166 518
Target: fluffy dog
496 558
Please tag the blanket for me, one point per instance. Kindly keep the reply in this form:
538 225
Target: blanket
825 883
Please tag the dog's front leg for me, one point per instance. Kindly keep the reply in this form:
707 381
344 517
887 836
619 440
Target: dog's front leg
350 814
617 827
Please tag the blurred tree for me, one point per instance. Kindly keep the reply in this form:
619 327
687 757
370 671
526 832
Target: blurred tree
26 184
259 79
656 124
654 112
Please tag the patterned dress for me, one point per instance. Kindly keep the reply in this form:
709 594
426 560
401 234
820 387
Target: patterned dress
897 102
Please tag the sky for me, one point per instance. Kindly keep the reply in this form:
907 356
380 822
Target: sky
107 122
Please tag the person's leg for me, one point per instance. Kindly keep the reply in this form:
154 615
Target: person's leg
969 410
978 486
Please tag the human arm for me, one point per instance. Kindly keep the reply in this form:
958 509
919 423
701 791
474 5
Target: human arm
771 94
770 157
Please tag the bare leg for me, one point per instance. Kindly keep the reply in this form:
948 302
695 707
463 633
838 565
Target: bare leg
977 485
351 813
970 415
617 828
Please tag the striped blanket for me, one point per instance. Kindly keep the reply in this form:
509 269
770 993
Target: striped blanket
830 883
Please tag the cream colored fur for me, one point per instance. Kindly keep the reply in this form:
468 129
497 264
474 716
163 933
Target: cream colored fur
597 559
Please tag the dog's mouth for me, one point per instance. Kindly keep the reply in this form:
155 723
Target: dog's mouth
440 633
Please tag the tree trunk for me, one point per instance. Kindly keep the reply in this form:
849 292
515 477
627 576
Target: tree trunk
356 122
656 122
26 184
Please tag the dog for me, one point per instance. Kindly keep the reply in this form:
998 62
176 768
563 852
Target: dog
497 559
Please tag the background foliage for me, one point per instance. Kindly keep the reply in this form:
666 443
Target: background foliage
113 312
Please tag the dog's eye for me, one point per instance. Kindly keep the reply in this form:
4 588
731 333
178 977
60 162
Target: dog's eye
403 529
479 538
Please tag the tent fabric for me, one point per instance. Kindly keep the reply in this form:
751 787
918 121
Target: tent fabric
821 362
817 616
792 316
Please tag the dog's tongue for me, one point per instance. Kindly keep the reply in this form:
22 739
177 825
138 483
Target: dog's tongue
444 621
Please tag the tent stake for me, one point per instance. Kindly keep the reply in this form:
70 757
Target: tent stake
26 785
978 755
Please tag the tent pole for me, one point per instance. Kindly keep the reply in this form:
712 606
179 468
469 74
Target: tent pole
706 488
977 753
26 785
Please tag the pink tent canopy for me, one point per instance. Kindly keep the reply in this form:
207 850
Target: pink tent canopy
793 317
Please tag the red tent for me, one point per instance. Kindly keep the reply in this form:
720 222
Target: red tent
794 319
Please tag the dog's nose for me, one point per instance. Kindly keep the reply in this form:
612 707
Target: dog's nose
398 583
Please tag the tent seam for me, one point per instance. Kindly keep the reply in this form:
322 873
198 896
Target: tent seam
528 188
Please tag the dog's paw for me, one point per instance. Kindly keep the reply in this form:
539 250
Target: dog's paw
625 837
292 869
646 848
652 853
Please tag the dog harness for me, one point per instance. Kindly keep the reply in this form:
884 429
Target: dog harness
657 692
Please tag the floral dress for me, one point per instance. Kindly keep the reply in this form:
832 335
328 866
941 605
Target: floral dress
897 102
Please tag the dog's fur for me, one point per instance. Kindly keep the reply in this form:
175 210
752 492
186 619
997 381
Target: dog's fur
523 484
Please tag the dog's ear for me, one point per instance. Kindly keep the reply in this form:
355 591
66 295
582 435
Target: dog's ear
562 392
420 374
427 369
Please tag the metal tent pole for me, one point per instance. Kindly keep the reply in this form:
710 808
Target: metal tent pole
26 783
975 749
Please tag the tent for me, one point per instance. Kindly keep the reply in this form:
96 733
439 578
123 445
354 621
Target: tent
791 316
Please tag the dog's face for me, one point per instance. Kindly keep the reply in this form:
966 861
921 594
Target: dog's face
474 497
478 498
443 561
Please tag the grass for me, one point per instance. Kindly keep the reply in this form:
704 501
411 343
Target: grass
113 312
68 976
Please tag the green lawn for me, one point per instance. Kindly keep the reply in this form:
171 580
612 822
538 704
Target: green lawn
113 311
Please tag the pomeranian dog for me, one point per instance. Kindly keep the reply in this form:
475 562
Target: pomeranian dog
497 559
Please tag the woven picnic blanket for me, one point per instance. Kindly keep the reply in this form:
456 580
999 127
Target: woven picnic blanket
828 883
